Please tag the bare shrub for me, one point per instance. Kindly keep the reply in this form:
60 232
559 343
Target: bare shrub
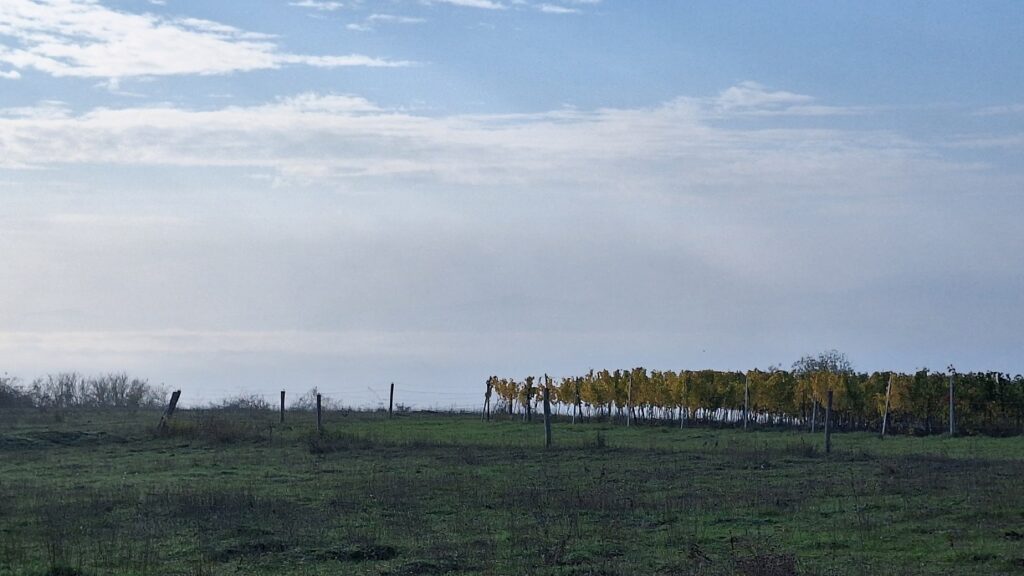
307 401
118 390
252 402
114 390
61 390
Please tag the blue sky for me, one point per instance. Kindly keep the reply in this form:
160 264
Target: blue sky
235 197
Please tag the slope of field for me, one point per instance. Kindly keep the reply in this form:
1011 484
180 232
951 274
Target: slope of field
234 492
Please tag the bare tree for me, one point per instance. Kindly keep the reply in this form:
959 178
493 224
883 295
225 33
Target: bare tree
307 402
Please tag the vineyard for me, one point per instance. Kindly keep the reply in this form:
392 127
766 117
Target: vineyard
984 402
989 403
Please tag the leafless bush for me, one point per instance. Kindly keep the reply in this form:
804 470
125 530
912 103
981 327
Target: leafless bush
58 390
118 390
73 390
253 402
307 401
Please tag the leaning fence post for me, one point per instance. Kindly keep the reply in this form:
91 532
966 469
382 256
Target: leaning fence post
828 424
547 416
282 406
319 420
888 394
391 400
169 411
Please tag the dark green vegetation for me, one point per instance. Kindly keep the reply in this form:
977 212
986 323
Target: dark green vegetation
233 492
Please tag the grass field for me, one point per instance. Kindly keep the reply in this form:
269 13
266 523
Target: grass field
235 493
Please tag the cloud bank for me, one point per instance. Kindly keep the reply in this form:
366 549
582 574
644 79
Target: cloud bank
329 234
83 38
685 145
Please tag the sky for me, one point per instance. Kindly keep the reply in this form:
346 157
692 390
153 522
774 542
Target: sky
244 197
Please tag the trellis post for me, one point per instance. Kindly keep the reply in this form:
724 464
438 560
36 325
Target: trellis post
547 416
828 424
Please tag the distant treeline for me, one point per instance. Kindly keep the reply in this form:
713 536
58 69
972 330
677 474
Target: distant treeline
73 390
985 402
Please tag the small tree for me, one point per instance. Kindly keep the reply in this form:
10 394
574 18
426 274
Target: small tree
817 374
831 361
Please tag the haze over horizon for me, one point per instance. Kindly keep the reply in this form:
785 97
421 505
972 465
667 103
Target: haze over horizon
230 197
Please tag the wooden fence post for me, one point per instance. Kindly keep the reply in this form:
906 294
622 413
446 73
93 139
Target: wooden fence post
319 419
952 410
629 397
391 400
282 406
547 417
578 408
529 399
828 424
169 411
746 400
487 399
888 394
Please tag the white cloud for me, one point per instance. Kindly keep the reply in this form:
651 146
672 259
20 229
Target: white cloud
47 109
313 138
82 38
316 5
555 9
10 74
370 22
485 4
753 99
331 103
341 61
749 94
394 19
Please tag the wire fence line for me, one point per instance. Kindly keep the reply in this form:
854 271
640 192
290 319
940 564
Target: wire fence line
374 397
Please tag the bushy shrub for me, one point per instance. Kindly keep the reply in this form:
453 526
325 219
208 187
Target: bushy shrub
72 390
12 395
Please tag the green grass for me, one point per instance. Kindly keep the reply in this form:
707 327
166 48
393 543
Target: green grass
235 493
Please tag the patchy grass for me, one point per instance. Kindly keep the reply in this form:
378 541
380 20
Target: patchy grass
228 492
